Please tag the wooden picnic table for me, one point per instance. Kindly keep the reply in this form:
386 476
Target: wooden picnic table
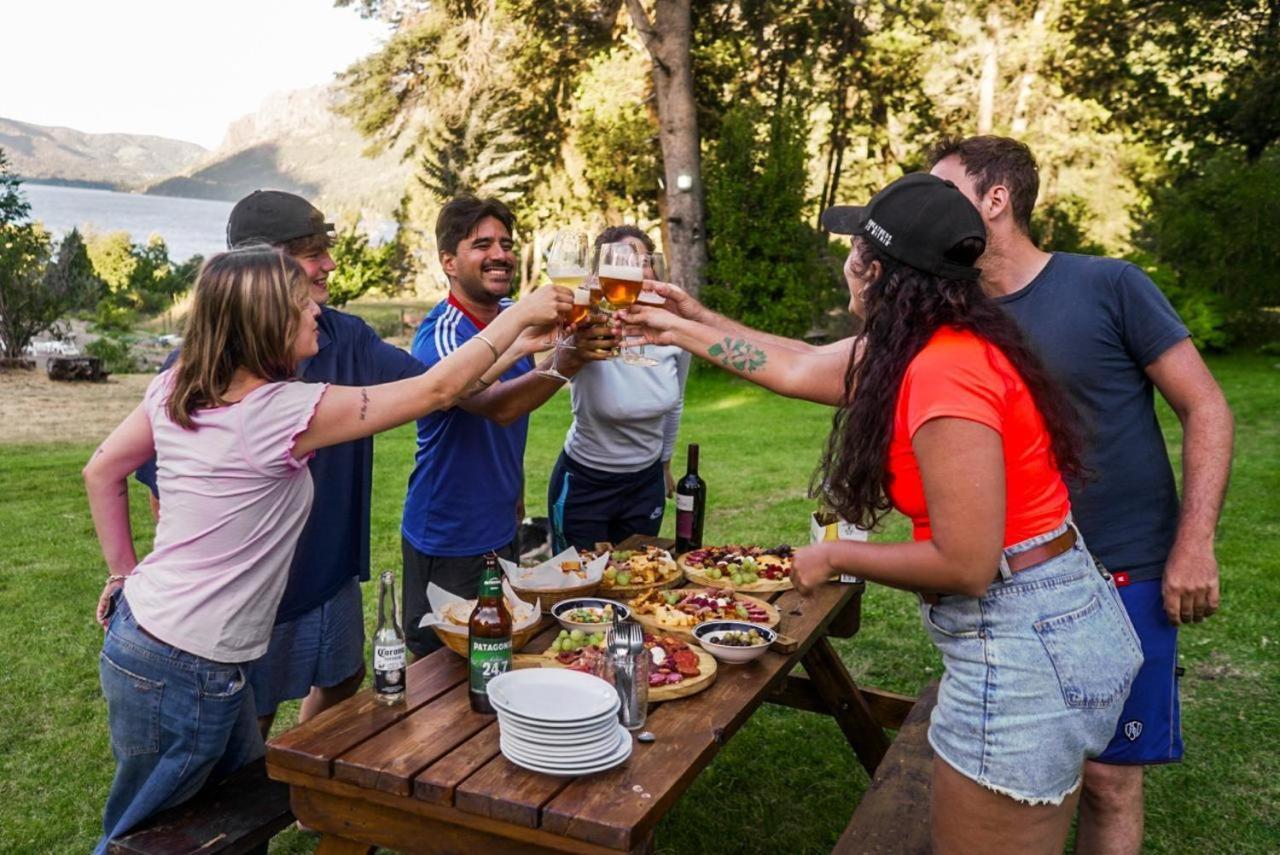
428 776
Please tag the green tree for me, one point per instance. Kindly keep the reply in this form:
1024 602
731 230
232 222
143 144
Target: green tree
1217 231
137 278
360 268
766 260
37 287
1187 77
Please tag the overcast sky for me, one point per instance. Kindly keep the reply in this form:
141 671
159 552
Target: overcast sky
175 68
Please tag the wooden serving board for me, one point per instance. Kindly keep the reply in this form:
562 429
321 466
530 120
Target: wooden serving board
630 591
650 623
707 665
674 577
763 586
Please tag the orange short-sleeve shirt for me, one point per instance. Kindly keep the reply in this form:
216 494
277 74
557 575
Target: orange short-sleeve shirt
957 374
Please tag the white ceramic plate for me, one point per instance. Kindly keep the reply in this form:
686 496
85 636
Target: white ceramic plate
554 754
552 695
621 753
562 726
545 736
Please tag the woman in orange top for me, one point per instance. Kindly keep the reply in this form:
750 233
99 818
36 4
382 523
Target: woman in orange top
955 424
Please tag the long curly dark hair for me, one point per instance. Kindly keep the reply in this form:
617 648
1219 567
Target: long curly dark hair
904 307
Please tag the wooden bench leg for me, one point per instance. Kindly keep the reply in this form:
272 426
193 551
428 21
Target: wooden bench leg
848 707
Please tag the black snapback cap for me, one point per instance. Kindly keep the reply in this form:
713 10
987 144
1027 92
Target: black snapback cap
273 217
916 220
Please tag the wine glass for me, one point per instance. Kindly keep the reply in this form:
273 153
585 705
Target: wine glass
567 260
654 266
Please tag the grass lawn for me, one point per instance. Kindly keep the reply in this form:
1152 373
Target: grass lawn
787 782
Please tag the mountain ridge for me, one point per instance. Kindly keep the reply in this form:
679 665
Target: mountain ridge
117 161
293 142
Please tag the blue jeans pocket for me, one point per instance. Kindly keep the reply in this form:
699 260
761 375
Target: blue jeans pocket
1087 647
949 622
223 683
133 704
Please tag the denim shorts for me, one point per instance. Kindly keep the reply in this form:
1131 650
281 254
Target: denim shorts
323 647
176 720
1037 671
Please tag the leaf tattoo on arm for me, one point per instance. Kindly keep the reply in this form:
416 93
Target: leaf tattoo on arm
738 354
364 404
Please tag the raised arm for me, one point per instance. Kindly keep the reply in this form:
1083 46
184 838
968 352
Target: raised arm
348 412
684 304
798 371
106 481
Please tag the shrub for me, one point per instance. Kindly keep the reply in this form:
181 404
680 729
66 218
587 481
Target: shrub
115 354
1200 310
1217 231
768 268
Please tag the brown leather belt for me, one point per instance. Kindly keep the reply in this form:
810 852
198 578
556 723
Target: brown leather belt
1032 557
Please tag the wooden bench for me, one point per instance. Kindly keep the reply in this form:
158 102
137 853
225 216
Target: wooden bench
237 815
893 816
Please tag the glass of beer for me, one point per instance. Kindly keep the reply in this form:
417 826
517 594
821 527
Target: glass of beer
620 270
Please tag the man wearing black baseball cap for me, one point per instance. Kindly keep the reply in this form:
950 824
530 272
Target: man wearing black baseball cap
317 645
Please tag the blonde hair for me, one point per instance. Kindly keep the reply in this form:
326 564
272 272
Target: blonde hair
245 313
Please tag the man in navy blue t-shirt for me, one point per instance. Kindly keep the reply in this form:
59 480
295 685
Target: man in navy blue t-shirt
317 645
468 479
1109 337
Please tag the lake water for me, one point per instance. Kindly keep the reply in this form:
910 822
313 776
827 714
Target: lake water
189 226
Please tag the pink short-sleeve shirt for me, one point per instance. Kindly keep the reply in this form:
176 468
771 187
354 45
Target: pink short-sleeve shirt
235 501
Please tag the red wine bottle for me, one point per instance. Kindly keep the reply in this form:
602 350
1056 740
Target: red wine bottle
691 506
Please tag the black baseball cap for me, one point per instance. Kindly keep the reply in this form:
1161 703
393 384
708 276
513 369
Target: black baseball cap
273 217
916 220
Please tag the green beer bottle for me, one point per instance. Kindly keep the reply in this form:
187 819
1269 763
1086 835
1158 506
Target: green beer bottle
489 642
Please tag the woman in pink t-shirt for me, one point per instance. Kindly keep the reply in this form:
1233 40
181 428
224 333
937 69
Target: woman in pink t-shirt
232 435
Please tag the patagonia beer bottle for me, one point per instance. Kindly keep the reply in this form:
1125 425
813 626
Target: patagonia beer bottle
489 640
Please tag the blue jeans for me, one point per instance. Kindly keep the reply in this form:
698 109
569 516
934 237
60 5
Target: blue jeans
1037 671
176 721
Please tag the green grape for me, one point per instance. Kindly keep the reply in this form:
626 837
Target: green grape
623 579
577 635
714 573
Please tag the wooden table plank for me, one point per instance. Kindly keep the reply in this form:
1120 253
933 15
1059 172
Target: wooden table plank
389 760
312 746
438 782
618 808
417 826
502 790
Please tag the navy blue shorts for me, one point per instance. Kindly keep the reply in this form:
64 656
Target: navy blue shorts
1150 727
588 506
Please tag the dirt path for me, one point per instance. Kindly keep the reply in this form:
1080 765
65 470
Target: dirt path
33 408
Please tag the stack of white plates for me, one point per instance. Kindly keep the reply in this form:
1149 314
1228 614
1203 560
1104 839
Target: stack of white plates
558 722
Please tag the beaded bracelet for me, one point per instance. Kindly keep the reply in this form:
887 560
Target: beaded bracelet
116 577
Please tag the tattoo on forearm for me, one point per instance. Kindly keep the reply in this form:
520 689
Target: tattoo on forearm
738 354
364 404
